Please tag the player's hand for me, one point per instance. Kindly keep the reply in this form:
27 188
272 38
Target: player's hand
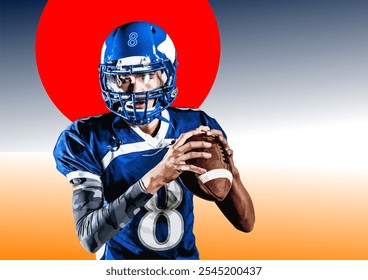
174 162
220 136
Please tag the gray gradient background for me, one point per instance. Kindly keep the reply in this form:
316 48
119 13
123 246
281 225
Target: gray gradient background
284 65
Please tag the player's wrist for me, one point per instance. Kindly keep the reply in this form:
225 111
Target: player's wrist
235 172
151 182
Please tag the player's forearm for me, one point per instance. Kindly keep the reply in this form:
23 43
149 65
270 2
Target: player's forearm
96 224
238 206
153 180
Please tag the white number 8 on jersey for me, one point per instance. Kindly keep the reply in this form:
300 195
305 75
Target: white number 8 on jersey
147 225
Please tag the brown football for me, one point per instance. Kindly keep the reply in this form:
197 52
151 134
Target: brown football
215 184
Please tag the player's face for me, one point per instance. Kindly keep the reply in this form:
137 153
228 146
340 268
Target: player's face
140 83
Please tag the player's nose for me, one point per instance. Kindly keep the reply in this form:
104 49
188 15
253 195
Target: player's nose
133 87
136 86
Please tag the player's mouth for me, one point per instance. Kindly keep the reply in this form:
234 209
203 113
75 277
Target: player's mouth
138 104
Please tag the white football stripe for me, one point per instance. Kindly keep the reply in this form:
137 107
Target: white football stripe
216 173
132 148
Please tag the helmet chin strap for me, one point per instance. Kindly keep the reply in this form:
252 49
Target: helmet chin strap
161 118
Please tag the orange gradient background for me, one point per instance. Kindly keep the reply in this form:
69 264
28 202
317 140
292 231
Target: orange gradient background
299 215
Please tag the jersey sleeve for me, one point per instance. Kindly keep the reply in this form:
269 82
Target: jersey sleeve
75 158
213 124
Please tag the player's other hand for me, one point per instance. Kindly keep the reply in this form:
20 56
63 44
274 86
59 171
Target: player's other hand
174 162
219 135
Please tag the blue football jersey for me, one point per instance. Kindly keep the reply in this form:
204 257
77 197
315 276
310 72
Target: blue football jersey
107 148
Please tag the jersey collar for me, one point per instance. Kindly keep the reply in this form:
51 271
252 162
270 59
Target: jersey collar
159 138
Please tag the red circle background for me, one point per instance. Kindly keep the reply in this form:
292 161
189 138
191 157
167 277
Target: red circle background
71 33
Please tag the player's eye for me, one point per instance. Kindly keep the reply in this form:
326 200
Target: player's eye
123 79
147 77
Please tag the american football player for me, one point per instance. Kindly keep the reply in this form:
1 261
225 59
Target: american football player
124 166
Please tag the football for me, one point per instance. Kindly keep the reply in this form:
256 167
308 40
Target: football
215 184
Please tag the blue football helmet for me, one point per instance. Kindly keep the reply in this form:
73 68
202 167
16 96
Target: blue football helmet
138 72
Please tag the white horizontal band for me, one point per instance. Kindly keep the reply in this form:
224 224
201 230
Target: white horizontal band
82 174
216 173
132 148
